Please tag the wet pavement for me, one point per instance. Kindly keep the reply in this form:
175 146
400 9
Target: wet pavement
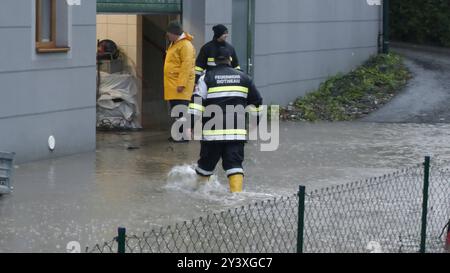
426 96
140 181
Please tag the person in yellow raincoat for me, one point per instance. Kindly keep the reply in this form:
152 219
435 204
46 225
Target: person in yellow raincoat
179 70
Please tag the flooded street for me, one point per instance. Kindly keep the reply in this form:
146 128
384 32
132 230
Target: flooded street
126 182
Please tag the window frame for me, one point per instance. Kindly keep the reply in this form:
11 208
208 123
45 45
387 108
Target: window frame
47 47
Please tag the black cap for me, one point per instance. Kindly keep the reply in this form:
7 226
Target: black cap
223 53
175 28
219 30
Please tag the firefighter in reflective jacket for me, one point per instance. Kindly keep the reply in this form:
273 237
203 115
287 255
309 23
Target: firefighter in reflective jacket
206 56
224 87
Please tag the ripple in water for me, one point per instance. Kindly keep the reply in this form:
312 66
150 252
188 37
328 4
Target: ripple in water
184 179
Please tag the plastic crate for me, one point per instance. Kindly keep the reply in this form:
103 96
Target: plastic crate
6 166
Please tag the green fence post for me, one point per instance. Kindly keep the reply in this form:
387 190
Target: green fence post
426 183
301 219
385 26
121 240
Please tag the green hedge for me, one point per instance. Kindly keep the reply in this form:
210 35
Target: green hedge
420 21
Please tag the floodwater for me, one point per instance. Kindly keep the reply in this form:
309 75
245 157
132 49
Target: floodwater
85 197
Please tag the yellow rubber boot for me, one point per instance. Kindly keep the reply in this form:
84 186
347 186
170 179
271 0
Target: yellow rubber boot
236 182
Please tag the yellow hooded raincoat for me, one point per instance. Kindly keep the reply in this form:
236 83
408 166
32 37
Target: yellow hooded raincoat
179 69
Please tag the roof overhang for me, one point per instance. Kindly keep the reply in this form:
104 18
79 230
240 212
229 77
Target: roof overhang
139 6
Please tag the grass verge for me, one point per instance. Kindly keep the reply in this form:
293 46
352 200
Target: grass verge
353 95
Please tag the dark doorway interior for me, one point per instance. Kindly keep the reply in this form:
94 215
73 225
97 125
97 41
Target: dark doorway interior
154 108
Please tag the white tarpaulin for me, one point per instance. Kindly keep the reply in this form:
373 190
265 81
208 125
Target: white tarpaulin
117 104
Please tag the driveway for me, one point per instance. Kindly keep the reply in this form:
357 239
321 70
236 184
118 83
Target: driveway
426 98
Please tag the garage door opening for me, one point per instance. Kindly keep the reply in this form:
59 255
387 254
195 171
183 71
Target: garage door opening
130 86
154 46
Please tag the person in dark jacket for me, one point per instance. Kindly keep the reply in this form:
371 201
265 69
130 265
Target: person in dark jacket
206 57
223 87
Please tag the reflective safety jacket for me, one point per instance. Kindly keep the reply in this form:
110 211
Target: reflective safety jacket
225 90
206 58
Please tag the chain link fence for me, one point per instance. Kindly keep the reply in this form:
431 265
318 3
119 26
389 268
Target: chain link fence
392 213
379 214
269 226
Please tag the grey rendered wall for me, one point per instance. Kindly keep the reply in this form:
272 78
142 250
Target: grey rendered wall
199 16
299 43
194 20
46 94
218 12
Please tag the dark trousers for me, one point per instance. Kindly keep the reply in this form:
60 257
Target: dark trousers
174 103
231 153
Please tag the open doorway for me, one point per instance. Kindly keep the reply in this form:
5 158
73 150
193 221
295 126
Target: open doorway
154 44
140 39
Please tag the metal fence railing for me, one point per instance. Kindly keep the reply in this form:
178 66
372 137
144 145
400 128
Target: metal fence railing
269 226
386 211
406 211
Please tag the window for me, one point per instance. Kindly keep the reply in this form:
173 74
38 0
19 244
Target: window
46 27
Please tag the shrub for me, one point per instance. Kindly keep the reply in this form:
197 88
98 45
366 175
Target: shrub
421 21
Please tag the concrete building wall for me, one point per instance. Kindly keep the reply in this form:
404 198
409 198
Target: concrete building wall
299 43
199 16
194 17
218 12
46 94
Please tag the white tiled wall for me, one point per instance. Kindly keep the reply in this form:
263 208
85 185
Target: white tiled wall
123 30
